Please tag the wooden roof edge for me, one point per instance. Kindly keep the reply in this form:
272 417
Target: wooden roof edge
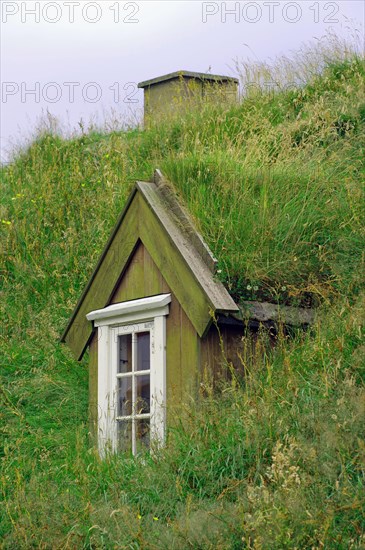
215 291
265 311
100 261
183 219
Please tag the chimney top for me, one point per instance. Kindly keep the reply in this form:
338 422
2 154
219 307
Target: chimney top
188 74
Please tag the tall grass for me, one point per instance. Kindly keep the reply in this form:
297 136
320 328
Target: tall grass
299 67
276 186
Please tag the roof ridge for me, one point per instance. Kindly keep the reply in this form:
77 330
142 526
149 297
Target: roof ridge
183 219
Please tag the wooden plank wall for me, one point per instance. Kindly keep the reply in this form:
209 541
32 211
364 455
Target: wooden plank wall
143 278
236 346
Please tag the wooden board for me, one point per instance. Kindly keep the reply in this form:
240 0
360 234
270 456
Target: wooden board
93 388
180 237
174 269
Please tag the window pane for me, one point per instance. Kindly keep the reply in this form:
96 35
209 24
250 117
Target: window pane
142 434
125 396
125 353
142 394
125 435
143 351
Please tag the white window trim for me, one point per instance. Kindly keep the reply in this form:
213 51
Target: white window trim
151 309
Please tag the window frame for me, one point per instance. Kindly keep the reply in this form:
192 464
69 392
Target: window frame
112 321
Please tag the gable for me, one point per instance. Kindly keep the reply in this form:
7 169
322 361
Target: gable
143 278
179 258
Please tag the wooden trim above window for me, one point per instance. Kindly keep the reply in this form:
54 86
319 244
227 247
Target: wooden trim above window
146 306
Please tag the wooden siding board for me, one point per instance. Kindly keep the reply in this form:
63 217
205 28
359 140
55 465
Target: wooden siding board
153 281
93 388
190 357
132 287
212 357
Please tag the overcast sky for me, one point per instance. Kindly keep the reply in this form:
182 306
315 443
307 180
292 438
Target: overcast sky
82 60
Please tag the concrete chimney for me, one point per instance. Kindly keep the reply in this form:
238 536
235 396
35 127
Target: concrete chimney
175 93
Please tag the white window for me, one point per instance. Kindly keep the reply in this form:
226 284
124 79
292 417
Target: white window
131 373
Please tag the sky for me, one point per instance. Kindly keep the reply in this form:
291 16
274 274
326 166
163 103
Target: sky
79 62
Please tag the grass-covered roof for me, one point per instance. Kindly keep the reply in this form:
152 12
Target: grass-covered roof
275 185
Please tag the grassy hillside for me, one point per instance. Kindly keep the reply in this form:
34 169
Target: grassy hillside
277 188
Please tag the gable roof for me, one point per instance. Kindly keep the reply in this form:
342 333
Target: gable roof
153 216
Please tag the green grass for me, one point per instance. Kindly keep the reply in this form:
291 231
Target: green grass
276 186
